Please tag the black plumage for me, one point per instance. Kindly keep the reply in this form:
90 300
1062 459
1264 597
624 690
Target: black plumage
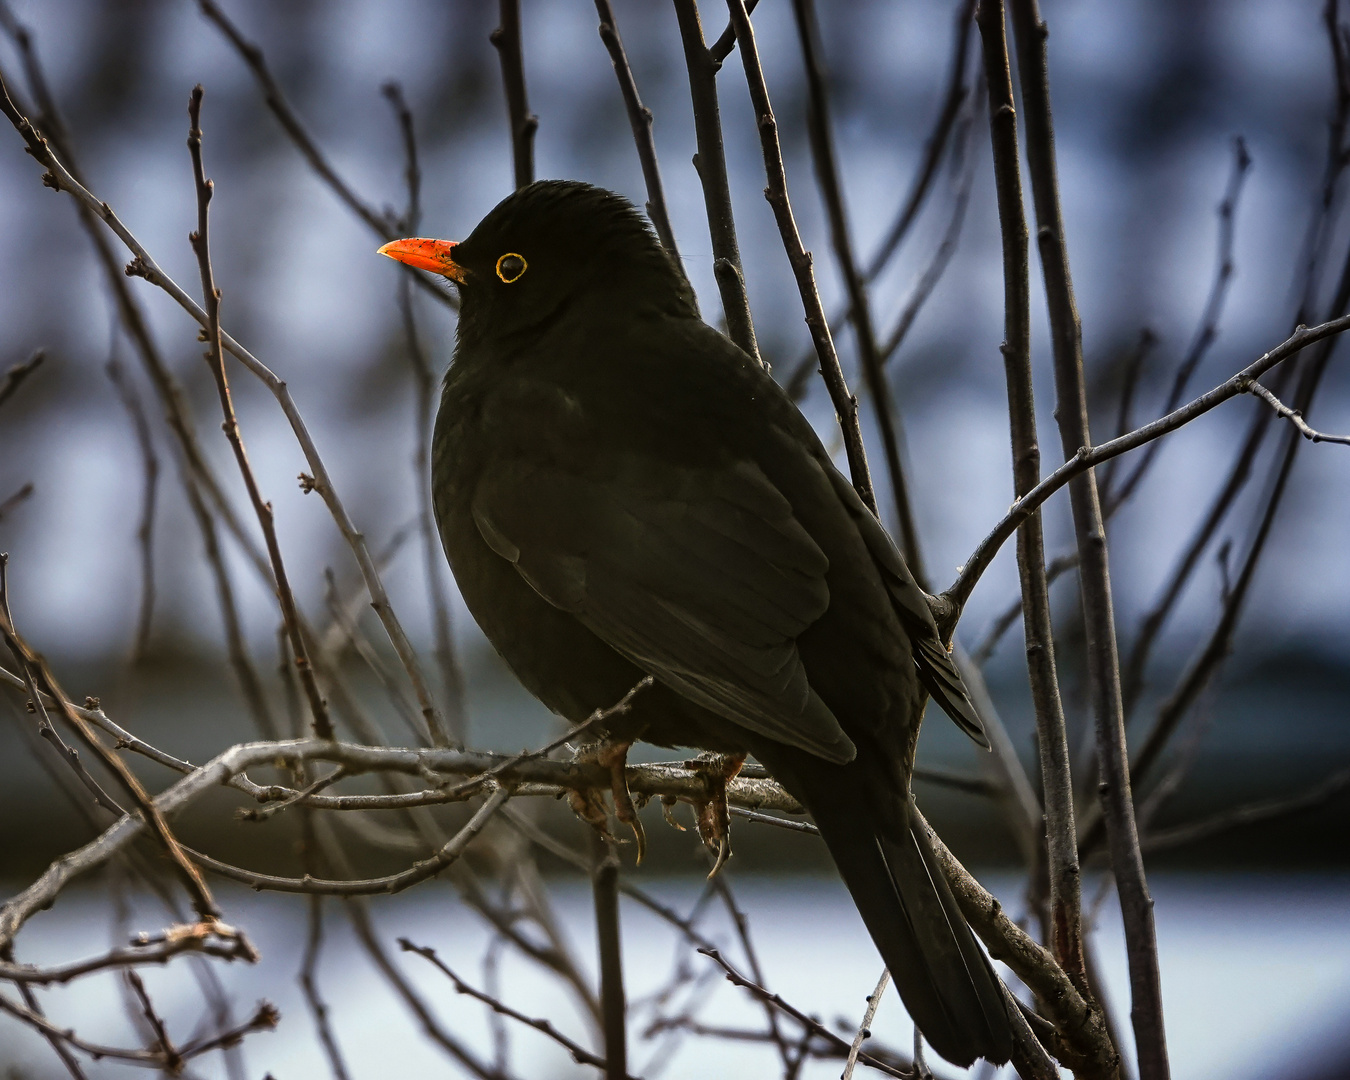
621 491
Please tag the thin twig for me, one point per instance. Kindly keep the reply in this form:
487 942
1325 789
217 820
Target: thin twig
865 1028
1248 814
711 164
579 1053
808 1023
523 123
1208 330
845 403
35 668
15 375
145 531
1086 457
884 411
391 883
424 379
1295 417
310 985
742 926
640 120
411 218
144 265
8 505
201 246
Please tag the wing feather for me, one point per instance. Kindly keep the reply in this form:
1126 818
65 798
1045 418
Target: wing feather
702 577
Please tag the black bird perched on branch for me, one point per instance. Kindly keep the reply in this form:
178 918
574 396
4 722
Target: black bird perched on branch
623 492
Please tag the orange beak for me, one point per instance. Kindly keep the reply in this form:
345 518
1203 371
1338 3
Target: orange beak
433 255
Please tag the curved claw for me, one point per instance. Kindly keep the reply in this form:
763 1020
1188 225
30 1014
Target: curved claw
714 819
723 854
614 757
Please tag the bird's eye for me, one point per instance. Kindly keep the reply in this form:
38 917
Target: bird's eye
510 266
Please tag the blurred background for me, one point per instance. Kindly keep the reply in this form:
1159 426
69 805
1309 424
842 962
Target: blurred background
1149 98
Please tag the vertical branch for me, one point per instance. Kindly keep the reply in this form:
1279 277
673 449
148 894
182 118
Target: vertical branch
424 381
145 531
845 403
506 40
1066 937
1094 574
457 714
412 171
323 725
860 310
711 163
613 1007
935 143
640 119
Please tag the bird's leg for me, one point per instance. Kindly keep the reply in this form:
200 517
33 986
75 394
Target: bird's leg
714 819
614 757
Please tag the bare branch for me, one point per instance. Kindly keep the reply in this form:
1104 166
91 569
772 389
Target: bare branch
1295 417
252 55
865 1028
711 164
8 505
1084 1044
15 375
1061 836
1086 457
860 310
845 403
145 531
808 1023
143 265
201 245
579 1053
1249 814
1209 319
506 40
1094 571
640 119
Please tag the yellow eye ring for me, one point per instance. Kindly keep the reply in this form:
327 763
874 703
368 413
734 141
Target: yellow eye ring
511 266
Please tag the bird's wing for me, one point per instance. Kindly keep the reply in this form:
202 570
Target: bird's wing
701 577
932 663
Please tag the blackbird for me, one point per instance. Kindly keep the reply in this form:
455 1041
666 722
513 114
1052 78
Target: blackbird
622 492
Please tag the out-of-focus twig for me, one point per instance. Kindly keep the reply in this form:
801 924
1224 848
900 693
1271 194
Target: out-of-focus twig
15 375
579 1053
640 120
145 530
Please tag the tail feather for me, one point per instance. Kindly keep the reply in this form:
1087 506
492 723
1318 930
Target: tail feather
944 978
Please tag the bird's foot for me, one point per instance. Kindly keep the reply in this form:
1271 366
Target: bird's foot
714 819
614 757
589 804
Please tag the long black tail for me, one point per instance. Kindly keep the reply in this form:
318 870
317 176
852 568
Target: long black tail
944 977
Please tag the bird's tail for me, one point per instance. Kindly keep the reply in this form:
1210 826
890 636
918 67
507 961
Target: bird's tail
944 978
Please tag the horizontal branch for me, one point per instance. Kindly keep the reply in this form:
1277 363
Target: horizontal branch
207 938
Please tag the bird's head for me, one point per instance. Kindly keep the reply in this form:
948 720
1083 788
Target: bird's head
551 246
